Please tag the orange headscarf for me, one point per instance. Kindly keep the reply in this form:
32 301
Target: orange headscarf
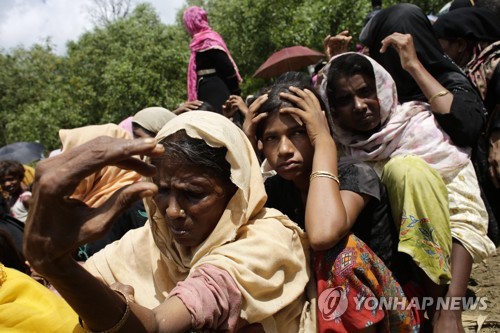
98 187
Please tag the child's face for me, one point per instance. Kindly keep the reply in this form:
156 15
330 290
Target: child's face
286 146
10 183
356 105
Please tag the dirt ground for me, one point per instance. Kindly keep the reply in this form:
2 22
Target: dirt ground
485 282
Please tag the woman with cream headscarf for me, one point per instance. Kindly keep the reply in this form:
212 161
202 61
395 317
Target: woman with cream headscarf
211 256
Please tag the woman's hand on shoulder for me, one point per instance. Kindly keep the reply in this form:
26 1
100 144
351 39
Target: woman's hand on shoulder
58 224
403 44
309 113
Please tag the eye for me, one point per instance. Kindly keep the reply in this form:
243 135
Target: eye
342 100
270 138
194 196
299 132
365 92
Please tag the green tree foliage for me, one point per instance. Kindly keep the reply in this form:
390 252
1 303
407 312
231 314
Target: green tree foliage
33 96
131 64
109 74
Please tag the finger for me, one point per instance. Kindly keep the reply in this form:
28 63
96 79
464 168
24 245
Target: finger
64 172
101 218
295 113
307 96
255 106
326 40
259 118
385 45
314 99
298 98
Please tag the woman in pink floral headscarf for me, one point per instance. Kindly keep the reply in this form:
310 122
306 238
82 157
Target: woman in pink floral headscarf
212 73
433 189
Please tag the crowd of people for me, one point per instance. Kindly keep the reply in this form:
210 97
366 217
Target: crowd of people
377 178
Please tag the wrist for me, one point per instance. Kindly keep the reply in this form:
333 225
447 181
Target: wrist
325 140
414 67
55 269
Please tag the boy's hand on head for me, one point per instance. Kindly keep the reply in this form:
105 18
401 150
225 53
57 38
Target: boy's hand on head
308 110
252 119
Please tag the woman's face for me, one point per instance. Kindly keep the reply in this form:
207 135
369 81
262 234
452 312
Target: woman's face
141 133
355 103
191 199
287 147
456 50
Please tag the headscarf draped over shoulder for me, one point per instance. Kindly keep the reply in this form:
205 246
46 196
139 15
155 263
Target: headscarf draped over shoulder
407 129
98 187
265 253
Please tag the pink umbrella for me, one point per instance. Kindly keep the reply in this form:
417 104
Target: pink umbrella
288 59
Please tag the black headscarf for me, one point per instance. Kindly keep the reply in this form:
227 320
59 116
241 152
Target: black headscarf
460 4
472 23
407 19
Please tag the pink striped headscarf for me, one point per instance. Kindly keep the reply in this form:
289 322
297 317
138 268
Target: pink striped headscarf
204 38
407 129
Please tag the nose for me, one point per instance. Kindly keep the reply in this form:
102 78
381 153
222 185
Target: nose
174 210
359 104
285 147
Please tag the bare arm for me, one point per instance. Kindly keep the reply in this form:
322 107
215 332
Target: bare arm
403 44
326 219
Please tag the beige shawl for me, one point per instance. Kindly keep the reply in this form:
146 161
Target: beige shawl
265 252
153 118
98 187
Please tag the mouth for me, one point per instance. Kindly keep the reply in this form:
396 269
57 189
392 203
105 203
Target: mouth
178 232
288 165
367 116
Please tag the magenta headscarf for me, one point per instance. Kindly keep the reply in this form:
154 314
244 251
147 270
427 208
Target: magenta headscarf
204 38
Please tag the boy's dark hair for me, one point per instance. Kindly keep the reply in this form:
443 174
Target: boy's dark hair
282 84
11 167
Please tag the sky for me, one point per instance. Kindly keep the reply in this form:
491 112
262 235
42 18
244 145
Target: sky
26 22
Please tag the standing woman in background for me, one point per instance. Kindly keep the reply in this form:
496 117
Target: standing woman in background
212 74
